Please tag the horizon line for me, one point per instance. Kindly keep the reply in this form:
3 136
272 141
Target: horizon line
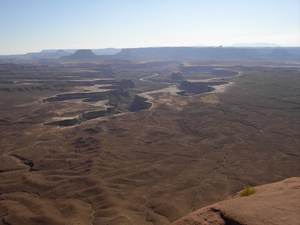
177 46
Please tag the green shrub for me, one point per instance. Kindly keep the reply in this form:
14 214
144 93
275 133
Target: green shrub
247 191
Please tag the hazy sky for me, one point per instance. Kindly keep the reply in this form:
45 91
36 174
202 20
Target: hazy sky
33 25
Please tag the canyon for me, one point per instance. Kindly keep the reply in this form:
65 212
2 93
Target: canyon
126 139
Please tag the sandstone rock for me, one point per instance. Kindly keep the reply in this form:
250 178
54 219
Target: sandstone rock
272 204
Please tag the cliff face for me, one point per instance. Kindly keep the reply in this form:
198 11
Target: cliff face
198 87
89 96
272 204
139 103
83 117
124 84
194 87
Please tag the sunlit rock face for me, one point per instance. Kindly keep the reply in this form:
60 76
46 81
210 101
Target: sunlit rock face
276 203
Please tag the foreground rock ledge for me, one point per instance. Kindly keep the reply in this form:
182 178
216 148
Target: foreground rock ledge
272 204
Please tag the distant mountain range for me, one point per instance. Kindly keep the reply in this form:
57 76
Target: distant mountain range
60 52
213 53
104 51
47 54
255 45
157 53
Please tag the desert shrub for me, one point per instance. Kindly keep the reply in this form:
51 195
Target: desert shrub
247 191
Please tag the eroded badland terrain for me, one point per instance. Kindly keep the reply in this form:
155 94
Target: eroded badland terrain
137 140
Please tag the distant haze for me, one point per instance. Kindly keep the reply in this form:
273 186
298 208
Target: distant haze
31 25
255 45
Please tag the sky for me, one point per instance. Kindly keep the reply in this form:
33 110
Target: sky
34 25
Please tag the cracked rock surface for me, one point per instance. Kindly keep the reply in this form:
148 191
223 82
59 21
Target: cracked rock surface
275 203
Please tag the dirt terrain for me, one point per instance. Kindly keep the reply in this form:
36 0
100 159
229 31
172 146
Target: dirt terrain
151 166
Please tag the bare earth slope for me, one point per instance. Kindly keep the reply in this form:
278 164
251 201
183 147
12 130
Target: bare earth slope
272 204
149 167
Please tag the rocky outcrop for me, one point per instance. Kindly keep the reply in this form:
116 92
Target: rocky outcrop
82 54
61 52
194 87
272 204
198 87
139 103
80 95
125 84
176 76
64 123
96 114
83 117
112 92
